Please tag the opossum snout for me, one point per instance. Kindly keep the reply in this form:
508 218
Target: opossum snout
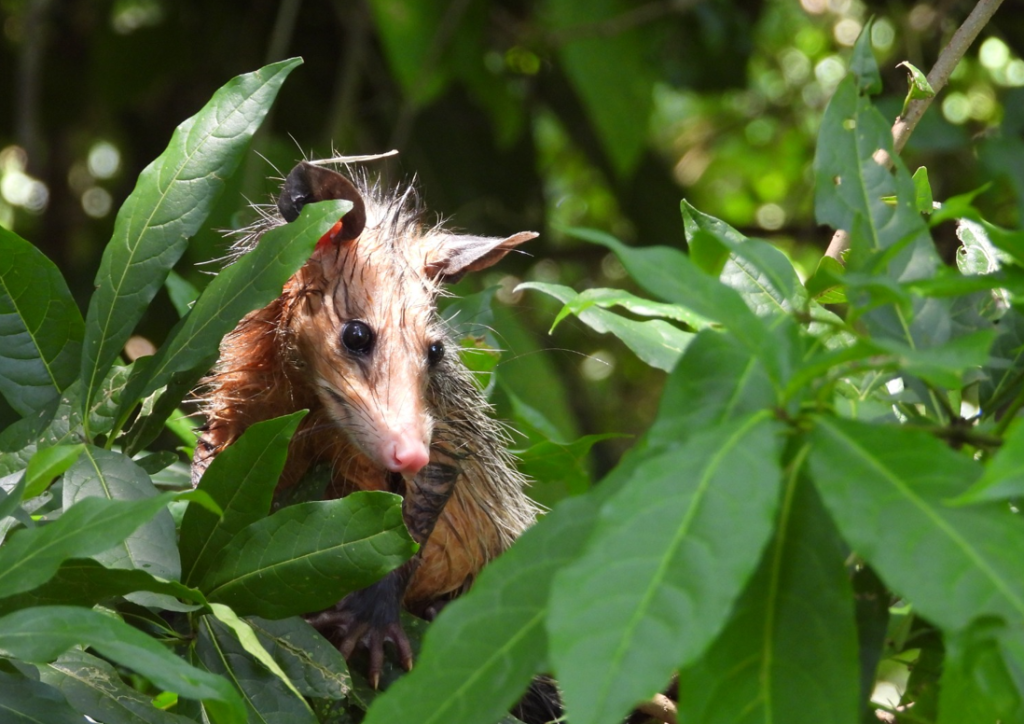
404 452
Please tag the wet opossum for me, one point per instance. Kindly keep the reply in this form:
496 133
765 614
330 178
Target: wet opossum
355 337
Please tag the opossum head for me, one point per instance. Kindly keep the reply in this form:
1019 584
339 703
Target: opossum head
361 326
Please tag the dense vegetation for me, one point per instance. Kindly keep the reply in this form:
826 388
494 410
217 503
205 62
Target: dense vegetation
817 519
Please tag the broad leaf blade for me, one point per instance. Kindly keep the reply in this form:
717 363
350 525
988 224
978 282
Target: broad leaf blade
48 464
24 701
42 634
94 688
658 579
886 488
315 666
90 527
172 198
307 557
241 480
789 652
106 474
41 329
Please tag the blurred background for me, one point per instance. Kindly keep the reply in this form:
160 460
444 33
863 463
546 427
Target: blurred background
510 115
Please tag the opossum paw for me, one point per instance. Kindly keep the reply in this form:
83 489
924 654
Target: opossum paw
365 621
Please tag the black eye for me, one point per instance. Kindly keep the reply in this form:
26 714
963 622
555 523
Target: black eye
435 352
357 337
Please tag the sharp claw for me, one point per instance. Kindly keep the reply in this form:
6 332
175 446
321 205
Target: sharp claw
376 649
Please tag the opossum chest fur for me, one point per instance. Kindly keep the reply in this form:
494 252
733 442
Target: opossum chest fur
355 337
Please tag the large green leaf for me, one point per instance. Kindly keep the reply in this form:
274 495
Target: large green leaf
480 654
25 701
60 423
886 488
315 666
852 188
789 652
659 575
94 687
41 329
251 282
982 679
172 198
266 697
107 474
85 529
756 269
42 634
1004 474
308 556
241 480
85 582
669 274
656 342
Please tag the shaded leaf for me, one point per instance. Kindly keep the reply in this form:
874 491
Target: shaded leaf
1004 474
94 688
308 556
885 486
789 652
241 480
172 198
42 634
41 329
24 701
656 582
315 666
657 343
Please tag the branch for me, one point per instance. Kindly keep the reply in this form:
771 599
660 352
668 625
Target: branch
938 77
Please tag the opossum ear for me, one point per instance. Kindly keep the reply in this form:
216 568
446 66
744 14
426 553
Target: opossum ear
455 255
308 183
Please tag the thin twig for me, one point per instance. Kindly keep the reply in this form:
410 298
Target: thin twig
938 77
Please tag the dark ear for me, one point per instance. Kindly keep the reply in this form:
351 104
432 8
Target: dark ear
454 256
308 183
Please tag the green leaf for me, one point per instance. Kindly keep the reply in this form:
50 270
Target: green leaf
42 634
24 701
558 465
977 254
657 343
862 64
86 582
315 666
408 32
758 271
669 274
61 422
850 187
1004 475
918 89
608 298
85 529
41 329
152 547
706 251
267 698
943 365
923 199
49 464
716 381
171 200
657 580
182 292
826 284
482 651
307 557
885 487
241 480
789 652
982 679
1002 377
611 73
247 638
250 283
94 688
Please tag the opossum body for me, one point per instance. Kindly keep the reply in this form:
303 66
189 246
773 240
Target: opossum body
355 338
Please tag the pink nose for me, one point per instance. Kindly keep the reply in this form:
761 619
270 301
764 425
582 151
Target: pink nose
406 455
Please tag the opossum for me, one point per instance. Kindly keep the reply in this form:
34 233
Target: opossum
355 337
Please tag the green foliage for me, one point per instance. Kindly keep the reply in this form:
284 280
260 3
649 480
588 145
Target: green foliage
821 489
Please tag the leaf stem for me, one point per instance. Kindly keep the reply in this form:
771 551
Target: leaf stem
938 77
